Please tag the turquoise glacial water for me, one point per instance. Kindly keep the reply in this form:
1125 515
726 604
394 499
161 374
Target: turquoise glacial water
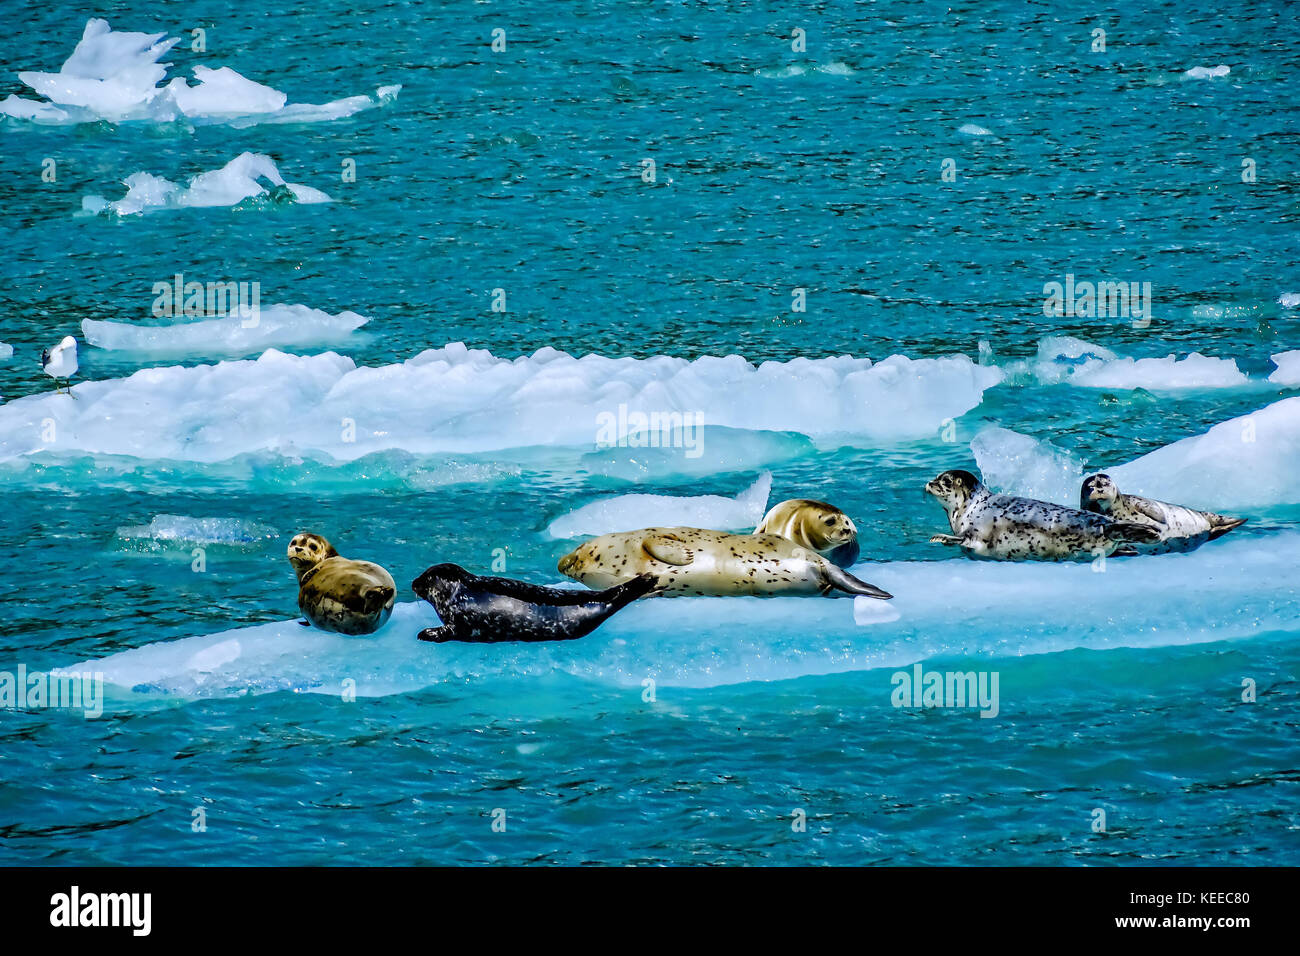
775 170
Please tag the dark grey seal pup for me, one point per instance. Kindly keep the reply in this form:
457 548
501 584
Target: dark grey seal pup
490 610
1181 529
1011 529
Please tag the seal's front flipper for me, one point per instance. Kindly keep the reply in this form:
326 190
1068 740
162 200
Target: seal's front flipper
669 549
1132 531
944 539
437 635
846 555
841 580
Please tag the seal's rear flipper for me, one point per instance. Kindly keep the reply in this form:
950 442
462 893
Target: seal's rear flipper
377 596
304 623
1132 531
1220 525
841 580
436 634
621 595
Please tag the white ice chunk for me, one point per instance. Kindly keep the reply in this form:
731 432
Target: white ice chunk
972 129
1017 464
274 326
1072 360
241 178
223 92
1248 461
1288 369
1207 72
629 512
114 76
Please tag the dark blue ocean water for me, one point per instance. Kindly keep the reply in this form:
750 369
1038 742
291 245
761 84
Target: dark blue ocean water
775 170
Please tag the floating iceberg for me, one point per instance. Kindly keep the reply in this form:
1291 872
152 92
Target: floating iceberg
1207 72
114 76
1244 462
238 180
1249 461
1077 362
972 129
628 512
990 610
167 529
274 326
454 399
1289 300
6 352
1017 464
1288 369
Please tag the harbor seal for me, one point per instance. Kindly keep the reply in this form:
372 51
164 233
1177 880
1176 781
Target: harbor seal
814 525
1181 529
489 610
337 594
714 563
1009 528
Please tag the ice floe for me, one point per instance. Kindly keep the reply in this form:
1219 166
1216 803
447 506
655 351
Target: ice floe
1065 359
1287 372
627 512
454 399
247 176
114 76
273 326
1251 460
988 610
1207 72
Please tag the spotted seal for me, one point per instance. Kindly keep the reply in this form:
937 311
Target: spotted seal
1009 528
702 562
814 525
338 594
1181 528
489 610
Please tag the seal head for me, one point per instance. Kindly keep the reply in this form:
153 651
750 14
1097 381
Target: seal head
815 525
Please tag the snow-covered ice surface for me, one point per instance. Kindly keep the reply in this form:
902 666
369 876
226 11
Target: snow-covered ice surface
455 399
628 512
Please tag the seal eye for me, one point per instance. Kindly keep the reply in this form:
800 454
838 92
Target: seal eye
830 522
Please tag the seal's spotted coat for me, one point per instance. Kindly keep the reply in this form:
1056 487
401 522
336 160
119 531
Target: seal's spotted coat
1015 529
701 562
1181 528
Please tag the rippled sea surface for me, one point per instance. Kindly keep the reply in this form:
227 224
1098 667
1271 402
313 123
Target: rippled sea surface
696 736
